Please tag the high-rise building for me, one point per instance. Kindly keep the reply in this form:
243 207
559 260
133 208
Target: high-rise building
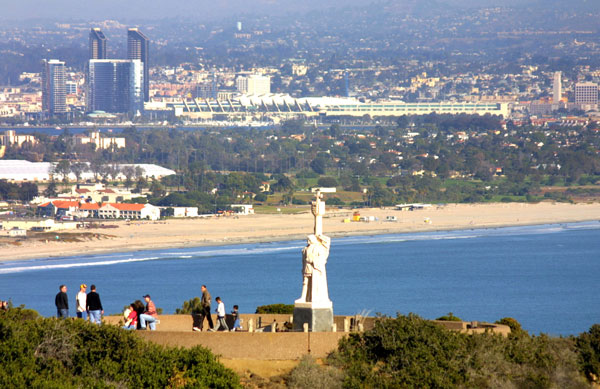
116 86
54 96
254 84
586 93
137 48
97 44
71 88
557 88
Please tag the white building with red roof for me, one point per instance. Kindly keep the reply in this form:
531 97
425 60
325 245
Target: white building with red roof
128 211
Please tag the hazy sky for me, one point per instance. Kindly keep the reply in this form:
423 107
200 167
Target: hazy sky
201 9
119 9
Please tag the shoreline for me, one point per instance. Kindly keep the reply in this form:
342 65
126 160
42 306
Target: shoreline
186 233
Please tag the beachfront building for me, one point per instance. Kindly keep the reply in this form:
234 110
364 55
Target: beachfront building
128 211
68 209
243 209
39 225
182 211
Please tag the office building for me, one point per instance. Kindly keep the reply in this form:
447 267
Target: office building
586 93
557 88
116 86
137 48
54 96
254 84
97 44
71 88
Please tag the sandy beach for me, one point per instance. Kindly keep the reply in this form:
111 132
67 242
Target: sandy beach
144 235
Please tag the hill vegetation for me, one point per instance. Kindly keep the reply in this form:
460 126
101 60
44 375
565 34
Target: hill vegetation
45 352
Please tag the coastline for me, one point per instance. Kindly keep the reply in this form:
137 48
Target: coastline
182 233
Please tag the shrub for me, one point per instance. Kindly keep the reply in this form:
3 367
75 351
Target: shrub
334 201
308 374
193 305
260 197
515 326
449 317
47 352
588 346
404 352
275 309
327 182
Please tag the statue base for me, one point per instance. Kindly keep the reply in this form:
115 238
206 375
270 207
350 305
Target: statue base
319 317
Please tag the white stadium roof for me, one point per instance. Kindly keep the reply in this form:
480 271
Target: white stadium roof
19 170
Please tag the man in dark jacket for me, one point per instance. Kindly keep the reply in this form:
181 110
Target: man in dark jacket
62 303
94 306
205 304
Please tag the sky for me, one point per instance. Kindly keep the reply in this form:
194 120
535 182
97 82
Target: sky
203 10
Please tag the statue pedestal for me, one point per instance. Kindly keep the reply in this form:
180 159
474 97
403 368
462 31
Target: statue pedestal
318 316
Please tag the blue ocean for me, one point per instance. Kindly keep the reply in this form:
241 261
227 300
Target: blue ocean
544 276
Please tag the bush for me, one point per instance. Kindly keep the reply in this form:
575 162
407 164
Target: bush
334 201
515 326
588 346
449 317
47 352
411 352
296 201
329 182
308 374
276 309
191 306
404 352
260 197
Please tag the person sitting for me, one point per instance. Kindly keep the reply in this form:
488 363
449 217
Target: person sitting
131 317
149 316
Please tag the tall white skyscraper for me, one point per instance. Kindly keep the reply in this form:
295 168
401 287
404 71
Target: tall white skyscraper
557 88
54 96
254 84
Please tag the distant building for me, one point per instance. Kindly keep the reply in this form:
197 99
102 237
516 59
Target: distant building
128 211
10 138
116 86
102 142
54 96
586 93
97 44
557 88
137 48
254 84
71 87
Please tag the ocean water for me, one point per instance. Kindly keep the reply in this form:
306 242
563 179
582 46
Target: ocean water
546 277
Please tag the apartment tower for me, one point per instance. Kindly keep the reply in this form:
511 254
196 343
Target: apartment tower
97 44
54 89
137 48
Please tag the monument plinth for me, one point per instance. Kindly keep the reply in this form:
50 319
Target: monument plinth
314 306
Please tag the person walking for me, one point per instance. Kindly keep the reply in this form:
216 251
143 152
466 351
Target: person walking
237 323
150 315
62 303
94 306
220 316
80 301
205 303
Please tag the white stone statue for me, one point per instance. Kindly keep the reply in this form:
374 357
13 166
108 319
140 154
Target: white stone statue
314 259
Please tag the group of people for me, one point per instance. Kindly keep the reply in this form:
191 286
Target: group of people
204 312
88 305
139 317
